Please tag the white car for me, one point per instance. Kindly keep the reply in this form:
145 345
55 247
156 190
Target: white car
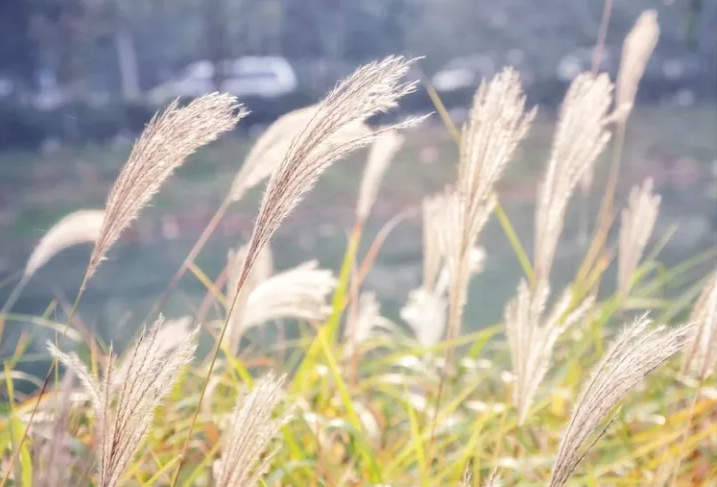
266 77
463 72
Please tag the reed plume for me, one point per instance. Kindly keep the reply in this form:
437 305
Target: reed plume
532 336
425 313
636 352
496 126
273 144
82 226
382 152
150 376
700 357
165 144
245 458
638 221
373 88
580 137
298 293
636 51
78 227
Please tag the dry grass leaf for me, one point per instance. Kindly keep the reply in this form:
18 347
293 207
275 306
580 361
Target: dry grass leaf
246 458
373 88
700 358
581 135
636 51
638 221
532 336
165 144
79 227
638 351
273 144
382 152
150 376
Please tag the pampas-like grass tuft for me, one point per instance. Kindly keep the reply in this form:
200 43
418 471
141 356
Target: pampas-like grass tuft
636 51
700 357
165 144
580 137
496 126
82 226
245 458
150 376
532 336
373 88
638 351
382 152
638 220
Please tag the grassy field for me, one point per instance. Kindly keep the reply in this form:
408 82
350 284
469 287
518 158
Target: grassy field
370 396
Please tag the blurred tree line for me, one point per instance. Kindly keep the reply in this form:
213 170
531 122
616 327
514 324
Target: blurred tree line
119 49
139 42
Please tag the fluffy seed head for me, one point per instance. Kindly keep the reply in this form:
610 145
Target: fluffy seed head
635 353
638 220
299 293
580 137
497 125
700 358
373 88
532 336
250 434
151 374
382 152
636 51
82 226
425 313
165 144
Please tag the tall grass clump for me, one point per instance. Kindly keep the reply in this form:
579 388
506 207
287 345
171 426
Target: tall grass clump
577 385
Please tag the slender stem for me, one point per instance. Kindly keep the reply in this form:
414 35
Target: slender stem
193 253
602 35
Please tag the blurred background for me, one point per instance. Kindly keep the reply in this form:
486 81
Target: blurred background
79 79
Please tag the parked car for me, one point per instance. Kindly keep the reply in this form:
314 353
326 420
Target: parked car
265 77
